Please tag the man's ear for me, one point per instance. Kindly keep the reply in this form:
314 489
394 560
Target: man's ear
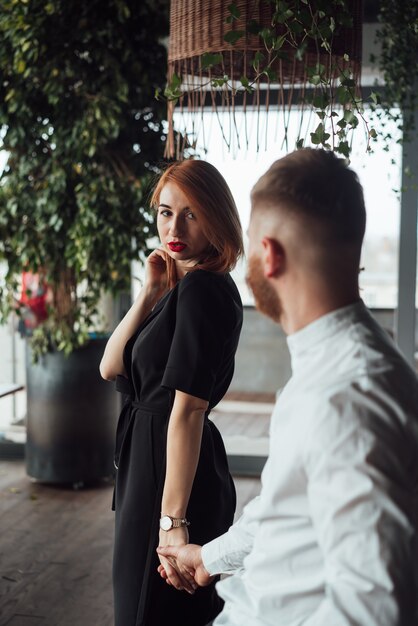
273 257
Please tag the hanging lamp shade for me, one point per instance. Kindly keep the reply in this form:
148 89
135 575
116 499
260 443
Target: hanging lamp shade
212 39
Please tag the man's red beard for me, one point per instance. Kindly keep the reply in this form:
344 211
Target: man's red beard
266 299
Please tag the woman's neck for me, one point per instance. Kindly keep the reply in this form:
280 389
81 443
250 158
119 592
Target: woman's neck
183 267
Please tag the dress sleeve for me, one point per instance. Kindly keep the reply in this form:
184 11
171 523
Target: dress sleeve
204 322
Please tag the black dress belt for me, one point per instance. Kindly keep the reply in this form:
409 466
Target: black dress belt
125 387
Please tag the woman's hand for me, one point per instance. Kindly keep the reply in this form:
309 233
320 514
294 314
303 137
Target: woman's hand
176 574
190 557
159 266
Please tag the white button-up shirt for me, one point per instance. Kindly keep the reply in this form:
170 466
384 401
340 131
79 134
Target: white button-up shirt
332 538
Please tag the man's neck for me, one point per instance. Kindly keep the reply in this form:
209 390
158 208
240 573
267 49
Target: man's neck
311 304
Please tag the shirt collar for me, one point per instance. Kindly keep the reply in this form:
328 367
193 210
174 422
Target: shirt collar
324 327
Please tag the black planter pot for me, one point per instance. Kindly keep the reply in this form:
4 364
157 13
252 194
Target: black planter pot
71 417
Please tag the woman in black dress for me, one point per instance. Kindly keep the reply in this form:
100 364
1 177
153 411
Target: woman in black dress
172 357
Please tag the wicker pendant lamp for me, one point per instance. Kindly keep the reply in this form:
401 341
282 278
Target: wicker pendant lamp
202 51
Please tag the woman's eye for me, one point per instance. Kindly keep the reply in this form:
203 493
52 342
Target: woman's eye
165 213
190 216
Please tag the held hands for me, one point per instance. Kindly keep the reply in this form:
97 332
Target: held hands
186 570
178 577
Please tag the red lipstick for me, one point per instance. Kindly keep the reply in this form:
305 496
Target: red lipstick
176 246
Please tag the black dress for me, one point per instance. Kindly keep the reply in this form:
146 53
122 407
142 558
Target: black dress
188 343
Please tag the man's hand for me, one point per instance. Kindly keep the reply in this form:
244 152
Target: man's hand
188 560
178 577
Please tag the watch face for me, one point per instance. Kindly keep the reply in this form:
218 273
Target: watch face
166 522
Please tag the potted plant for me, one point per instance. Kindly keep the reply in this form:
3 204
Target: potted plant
83 134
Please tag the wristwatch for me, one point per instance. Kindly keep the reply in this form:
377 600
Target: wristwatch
167 522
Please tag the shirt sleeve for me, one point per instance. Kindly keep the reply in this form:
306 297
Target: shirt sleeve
204 322
226 554
360 500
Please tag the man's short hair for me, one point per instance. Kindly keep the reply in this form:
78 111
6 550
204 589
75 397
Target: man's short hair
318 184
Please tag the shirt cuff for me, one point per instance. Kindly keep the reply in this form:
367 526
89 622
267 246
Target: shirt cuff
223 555
212 559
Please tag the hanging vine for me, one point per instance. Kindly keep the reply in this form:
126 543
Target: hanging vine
301 52
397 36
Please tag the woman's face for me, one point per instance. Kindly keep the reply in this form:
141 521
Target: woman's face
178 226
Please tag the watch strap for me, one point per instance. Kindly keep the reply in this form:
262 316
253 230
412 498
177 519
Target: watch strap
178 522
173 522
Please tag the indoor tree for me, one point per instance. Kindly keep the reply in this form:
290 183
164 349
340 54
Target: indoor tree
84 137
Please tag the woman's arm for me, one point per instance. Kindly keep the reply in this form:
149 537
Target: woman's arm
112 361
154 288
184 437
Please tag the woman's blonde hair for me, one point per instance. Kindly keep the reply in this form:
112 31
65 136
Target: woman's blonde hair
208 191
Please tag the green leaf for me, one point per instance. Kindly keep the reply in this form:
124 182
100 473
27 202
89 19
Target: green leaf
209 59
21 66
233 36
279 41
268 36
172 91
234 10
320 135
9 95
246 84
283 13
270 73
295 27
350 117
300 52
315 79
253 27
175 81
343 95
375 97
258 58
220 82
321 100
348 82
344 149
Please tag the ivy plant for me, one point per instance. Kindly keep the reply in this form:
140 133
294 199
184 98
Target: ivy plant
297 27
84 136
397 36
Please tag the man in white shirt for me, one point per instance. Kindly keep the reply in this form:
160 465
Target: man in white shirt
332 538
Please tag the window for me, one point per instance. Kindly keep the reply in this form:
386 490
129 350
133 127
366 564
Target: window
379 173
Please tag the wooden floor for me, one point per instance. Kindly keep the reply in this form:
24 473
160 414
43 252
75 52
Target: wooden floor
55 550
